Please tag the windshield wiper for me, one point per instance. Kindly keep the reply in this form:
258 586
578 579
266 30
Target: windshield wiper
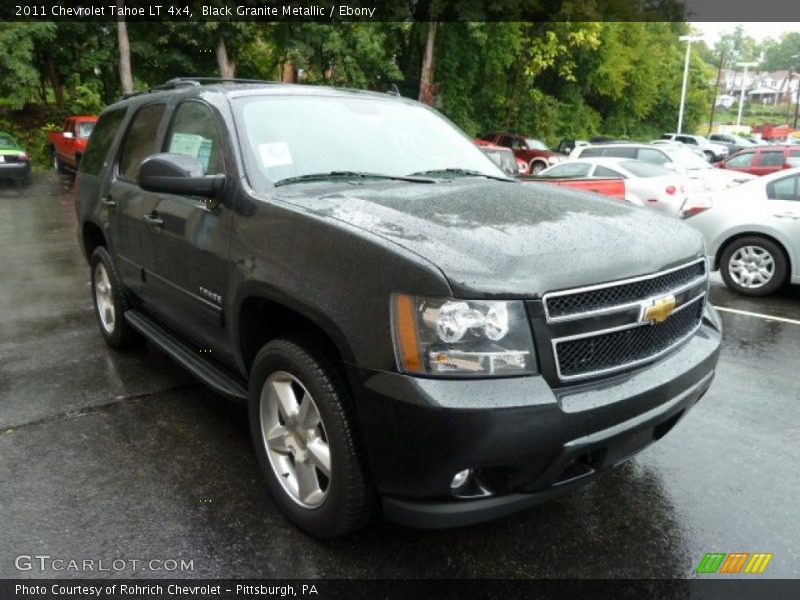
352 175
462 172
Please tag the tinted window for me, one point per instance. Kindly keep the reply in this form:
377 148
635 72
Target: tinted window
685 139
771 159
653 156
620 152
783 189
140 140
644 169
504 141
102 137
569 169
741 160
601 171
194 133
589 152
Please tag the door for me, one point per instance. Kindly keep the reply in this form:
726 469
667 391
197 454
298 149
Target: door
65 149
768 161
186 240
125 199
743 161
784 203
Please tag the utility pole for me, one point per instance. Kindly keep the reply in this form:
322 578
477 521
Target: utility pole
716 91
688 39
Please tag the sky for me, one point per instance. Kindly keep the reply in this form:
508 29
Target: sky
759 31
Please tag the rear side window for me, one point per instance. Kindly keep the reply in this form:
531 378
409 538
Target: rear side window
783 189
620 152
652 156
645 169
102 137
589 152
772 159
601 171
140 140
569 169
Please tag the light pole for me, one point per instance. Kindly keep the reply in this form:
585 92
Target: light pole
797 96
688 39
741 91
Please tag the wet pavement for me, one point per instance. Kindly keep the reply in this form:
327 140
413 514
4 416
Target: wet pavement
109 455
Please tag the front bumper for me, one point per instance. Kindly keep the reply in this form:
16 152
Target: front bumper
17 170
525 441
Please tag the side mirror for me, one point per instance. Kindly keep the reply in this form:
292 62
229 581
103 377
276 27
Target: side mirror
178 174
68 135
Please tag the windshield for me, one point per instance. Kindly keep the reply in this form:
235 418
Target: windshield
535 144
293 136
7 142
85 128
644 169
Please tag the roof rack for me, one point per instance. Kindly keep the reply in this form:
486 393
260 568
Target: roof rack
192 82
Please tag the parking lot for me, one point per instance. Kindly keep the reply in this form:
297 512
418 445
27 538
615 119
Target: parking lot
108 455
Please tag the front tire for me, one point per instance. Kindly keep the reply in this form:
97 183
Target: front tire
537 167
58 166
304 439
753 266
709 156
110 302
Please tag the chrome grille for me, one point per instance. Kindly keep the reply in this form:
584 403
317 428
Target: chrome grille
572 304
603 352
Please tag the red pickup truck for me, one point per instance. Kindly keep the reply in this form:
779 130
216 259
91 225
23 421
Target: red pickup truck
68 145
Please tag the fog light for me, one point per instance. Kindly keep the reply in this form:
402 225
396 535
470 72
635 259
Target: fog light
460 479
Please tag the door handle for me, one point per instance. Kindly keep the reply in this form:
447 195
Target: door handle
154 219
787 215
108 202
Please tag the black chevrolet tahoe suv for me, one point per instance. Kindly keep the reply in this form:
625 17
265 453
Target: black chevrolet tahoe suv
413 331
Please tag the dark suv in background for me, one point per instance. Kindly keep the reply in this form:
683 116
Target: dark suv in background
406 323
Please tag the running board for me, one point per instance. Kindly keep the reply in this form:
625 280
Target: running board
188 357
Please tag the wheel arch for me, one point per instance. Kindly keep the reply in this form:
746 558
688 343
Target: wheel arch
92 236
790 259
263 314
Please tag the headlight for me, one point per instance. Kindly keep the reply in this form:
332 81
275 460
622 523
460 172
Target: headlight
461 338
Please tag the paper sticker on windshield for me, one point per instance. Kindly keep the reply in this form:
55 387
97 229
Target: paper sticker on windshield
275 154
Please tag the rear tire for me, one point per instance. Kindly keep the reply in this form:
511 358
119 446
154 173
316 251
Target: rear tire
709 156
753 266
305 441
110 302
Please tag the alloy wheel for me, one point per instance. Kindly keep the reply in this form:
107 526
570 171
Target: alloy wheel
295 439
751 267
104 298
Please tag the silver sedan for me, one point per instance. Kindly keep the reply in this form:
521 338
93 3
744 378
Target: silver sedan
753 232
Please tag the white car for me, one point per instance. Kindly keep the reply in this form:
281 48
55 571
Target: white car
703 177
752 232
646 184
713 152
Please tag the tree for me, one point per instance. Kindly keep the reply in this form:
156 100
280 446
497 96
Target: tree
125 74
778 54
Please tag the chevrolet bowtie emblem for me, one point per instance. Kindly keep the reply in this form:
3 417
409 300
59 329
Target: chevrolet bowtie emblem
659 309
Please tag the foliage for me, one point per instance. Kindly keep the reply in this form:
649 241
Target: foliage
573 77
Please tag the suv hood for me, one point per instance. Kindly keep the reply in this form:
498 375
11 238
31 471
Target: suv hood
491 238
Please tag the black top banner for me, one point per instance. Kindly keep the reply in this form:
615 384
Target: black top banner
400 10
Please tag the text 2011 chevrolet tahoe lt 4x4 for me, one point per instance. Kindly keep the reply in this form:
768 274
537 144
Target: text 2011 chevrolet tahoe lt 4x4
413 330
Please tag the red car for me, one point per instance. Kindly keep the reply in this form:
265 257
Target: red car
532 151
68 145
762 160
503 157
